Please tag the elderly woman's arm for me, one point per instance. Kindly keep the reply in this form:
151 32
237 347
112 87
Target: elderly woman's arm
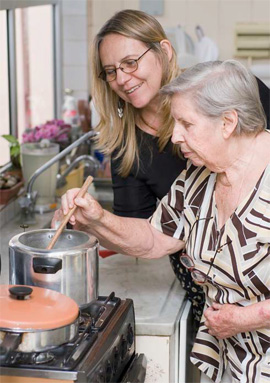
224 321
130 236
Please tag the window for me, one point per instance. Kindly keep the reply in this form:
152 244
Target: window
29 69
4 92
34 66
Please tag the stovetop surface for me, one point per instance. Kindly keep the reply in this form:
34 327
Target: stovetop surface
93 319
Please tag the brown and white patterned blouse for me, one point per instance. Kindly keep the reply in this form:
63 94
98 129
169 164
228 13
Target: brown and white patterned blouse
240 273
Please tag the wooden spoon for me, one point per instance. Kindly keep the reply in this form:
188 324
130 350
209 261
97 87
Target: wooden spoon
81 193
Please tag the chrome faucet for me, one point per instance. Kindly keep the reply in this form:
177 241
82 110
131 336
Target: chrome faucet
89 160
27 202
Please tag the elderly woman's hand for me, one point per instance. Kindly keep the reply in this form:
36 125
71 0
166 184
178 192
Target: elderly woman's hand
88 209
223 321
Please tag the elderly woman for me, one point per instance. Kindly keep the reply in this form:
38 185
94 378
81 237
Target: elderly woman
218 209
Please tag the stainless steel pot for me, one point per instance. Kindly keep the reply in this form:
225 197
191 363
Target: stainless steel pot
35 319
70 268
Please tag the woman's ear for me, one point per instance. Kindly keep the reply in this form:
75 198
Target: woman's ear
167 47
230 121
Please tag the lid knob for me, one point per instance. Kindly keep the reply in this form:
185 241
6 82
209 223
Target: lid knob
20 292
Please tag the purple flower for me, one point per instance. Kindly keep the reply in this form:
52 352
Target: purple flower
54 130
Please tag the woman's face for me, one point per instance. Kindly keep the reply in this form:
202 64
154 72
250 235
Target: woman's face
141 87
200 138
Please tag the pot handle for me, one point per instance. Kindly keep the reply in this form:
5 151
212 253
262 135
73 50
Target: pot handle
46 265
10 343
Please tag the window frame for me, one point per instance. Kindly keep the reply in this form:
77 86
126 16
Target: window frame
10 6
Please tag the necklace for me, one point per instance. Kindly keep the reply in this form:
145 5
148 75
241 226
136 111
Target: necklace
146 123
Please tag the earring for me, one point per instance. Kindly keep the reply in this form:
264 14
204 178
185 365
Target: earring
120 108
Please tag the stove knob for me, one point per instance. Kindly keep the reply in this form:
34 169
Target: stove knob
100 378
130 335
123 348
116 359
108 371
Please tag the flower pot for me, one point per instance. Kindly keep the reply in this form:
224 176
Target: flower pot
7 194
33 157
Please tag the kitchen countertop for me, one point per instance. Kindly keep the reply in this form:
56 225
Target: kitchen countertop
157 294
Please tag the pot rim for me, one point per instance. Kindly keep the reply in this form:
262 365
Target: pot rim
15 243
38 331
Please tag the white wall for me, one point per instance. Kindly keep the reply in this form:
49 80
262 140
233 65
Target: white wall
75 47
83 18
217 17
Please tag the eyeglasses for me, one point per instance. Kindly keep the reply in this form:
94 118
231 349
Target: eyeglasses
198 276
127 66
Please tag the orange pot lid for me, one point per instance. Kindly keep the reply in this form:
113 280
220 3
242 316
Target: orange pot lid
43 309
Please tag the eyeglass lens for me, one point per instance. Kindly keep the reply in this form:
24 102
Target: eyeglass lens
126 66
188 262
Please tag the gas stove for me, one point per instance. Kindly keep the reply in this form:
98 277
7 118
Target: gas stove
103 350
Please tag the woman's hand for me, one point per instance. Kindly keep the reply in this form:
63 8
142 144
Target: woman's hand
221 320
88 209
225 321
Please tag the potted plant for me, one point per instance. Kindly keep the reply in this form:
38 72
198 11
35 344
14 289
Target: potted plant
14 148
11 181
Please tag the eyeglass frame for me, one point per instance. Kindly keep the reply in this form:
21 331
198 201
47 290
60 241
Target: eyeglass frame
102 74
184 254
193 268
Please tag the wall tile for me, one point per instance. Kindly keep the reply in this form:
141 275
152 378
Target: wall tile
103 10
260 11
131 4
174 14
75 53
81 94
74 7
205 14
230 13
75 28
75 77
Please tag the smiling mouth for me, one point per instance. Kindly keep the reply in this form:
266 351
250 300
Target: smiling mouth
186 154
133 89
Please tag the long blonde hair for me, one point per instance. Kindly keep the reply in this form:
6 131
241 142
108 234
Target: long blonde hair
121 133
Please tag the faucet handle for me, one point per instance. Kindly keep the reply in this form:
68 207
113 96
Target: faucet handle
27 204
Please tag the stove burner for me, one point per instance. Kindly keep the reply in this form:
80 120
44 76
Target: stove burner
101 310
43 357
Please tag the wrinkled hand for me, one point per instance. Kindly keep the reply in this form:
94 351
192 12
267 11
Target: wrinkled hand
88 209
223 321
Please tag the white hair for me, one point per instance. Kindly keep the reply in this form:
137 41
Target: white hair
217 87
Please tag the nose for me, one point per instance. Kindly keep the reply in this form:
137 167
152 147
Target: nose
178 134
122 77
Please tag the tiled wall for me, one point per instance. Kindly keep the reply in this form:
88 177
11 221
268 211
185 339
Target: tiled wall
217 17
75 47
83 18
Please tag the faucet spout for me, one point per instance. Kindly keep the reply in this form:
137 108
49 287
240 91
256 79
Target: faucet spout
90 160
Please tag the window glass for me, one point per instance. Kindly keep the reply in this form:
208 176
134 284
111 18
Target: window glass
4 96
34 55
